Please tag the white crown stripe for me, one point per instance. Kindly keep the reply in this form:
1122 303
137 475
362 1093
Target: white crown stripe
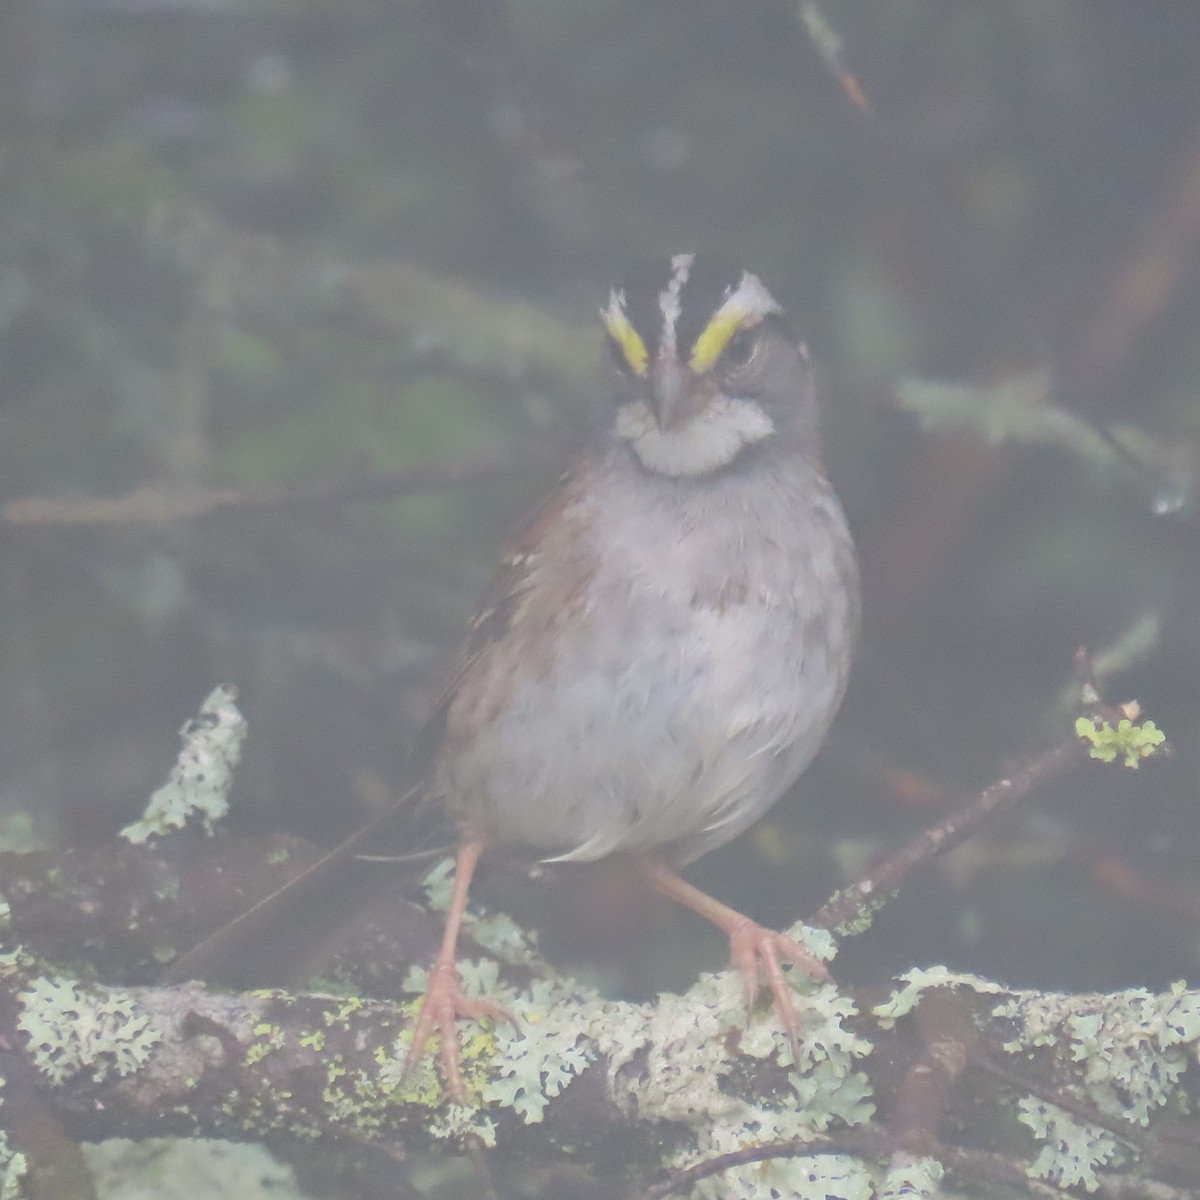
751 298
669 301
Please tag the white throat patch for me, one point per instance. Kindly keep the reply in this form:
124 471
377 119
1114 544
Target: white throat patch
711 440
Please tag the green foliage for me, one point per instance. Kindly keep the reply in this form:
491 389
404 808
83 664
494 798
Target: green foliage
1130 741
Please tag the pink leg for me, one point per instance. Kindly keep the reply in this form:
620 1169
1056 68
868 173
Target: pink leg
751 947
444 1001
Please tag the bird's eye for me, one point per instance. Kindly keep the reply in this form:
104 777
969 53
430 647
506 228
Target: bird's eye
741 349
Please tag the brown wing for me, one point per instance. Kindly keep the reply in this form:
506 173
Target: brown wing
502 605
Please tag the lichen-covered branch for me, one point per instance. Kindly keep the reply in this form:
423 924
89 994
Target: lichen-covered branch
1093 1086
1066 1092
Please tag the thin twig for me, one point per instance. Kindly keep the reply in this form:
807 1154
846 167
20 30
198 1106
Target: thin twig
852 904
863 1142
148 506
828 44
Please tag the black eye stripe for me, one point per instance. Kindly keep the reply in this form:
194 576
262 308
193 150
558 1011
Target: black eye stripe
709 283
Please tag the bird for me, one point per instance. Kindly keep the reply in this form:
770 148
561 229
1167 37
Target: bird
662 647
667 638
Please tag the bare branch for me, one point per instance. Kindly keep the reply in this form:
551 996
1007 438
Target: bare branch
854 904
148 506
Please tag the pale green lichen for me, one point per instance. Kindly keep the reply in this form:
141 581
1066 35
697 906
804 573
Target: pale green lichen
200 780
1133 1046
809 1177
344 1011
827 1092
914 983
438 885
21 834
670 1063
819 942
534 1064
495 932
683 1063
187 1169
865 907
1071 1149
522 1070
502 936
72 1028
1129 741
917 1179
13 1168
458 1121
680 1053
267 1039
682 1056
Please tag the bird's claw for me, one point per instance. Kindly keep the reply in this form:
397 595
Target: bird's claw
443 1004
753 949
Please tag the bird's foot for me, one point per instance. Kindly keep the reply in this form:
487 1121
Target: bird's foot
757 951
443 1004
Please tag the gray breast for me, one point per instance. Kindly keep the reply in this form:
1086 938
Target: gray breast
692 681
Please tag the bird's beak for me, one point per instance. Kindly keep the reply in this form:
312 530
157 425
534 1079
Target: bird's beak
669 390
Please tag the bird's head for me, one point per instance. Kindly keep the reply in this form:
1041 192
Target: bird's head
703 367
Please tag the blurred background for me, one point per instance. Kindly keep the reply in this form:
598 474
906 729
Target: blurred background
297 316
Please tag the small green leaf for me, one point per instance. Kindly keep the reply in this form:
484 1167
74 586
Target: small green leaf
1133 742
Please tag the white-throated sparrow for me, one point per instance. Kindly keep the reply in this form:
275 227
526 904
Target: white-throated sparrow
667 640
665 643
